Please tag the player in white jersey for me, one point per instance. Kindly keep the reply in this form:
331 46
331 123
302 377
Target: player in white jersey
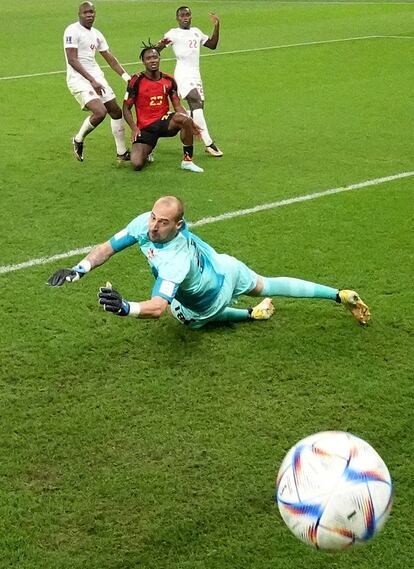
87 83
191 278
186 42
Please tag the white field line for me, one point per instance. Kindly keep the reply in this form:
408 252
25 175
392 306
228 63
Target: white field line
399 37
322 2
215 54
44 260
299 199
223 217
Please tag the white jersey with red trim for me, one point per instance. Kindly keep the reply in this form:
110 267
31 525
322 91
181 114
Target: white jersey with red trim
186 46
87 42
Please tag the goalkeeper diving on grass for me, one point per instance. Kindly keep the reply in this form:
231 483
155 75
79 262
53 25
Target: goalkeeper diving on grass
194 282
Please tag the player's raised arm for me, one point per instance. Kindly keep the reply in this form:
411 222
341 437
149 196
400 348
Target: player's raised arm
162 44
212 41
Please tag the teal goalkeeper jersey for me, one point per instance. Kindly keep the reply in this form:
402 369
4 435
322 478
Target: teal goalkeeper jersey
185 268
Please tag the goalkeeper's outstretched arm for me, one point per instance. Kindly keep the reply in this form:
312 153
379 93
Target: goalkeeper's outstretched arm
98 256
112 301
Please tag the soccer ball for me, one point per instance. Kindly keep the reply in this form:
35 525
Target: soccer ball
333 490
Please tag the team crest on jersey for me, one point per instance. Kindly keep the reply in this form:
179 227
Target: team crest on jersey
150 253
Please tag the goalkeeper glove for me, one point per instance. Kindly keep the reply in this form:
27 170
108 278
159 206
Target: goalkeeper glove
69 275
112 301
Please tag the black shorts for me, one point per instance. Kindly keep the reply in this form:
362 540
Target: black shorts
158 129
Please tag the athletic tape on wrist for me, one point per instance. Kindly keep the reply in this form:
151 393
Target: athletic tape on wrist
83 267
134 309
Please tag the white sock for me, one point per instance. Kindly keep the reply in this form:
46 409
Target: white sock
118 130
85 129
198 117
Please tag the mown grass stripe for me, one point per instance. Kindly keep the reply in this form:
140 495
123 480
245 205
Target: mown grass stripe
223 217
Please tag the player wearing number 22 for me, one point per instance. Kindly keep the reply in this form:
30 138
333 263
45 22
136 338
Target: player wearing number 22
186 42
150 93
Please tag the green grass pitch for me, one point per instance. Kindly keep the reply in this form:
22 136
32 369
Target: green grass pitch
131 444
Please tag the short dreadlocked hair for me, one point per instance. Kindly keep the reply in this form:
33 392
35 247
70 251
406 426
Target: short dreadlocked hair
146 47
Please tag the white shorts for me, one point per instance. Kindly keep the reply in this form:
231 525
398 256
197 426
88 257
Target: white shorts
187 84
83 92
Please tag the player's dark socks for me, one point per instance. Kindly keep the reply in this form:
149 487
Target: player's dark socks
188 152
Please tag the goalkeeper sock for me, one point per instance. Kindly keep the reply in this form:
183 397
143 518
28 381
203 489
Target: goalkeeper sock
232 315
118 131
198 117
287 286
85 129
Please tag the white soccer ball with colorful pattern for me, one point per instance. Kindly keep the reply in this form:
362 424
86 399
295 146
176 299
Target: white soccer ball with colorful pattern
333 490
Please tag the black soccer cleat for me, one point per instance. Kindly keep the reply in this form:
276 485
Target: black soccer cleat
213 150
125 157
77 149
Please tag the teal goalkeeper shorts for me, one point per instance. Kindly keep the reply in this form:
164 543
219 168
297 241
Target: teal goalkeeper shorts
238 279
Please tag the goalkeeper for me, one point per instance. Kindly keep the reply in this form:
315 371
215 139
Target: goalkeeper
191 279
